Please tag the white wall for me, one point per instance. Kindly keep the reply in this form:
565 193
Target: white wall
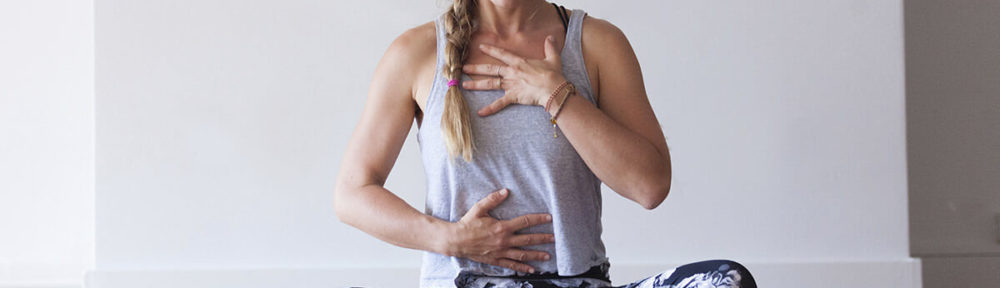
221 126
46 142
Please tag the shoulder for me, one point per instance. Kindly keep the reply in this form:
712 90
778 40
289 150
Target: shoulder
597 27
601 37
413 50
606 45
605 48
607 37
413 45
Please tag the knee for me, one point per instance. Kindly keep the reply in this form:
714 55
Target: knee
711 273
725 271
726 266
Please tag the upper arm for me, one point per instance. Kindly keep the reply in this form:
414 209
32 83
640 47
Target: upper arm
622 92
388 112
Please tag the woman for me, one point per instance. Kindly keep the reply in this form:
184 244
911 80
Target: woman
513 192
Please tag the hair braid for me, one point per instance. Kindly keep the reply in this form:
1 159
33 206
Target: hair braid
455 123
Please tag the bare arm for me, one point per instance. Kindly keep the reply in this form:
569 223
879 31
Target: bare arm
621 141
360 199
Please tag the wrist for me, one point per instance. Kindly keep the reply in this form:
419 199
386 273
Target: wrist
553 85
442 242
559 99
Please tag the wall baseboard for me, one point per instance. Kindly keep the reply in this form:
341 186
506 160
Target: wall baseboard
41 274
902 273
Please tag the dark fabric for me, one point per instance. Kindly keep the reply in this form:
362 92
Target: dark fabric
712 273
705 274
599 272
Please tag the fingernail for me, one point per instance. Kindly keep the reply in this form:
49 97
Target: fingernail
503 192
531 270
482 46
549 38
548 217
545 257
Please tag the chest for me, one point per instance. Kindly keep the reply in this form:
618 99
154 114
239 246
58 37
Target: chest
530 46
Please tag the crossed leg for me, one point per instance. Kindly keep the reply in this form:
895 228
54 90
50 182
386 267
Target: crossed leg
704 274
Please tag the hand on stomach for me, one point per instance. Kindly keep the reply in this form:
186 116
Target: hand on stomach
482 238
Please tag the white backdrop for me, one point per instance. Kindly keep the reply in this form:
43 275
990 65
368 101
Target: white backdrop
46 142
221 124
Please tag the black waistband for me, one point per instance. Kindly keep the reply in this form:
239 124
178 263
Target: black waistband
599 272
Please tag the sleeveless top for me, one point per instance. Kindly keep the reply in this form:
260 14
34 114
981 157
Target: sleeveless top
514 149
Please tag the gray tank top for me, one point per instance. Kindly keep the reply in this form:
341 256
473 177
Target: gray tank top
514 149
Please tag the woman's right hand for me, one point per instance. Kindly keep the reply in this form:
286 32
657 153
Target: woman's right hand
482 238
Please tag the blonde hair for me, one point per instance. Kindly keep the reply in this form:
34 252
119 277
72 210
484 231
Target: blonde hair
456 126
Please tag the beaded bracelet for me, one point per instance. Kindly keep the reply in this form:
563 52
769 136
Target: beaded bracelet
554 92
569 91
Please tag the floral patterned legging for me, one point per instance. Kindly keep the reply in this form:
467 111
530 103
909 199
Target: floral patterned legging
705 274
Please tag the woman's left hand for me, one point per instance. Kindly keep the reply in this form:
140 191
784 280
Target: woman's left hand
524 81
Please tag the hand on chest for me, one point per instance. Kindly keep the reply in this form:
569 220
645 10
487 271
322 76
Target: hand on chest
528 46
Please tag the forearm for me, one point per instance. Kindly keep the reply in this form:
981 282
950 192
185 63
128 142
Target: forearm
623 159
380 213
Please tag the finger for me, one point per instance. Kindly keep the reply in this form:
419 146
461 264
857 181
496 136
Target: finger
551 54
483 206
525 221
482 84
485 69
500 53
522 240
514 265
496 106
525 255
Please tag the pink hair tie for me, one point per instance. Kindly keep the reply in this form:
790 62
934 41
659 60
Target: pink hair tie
452 82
